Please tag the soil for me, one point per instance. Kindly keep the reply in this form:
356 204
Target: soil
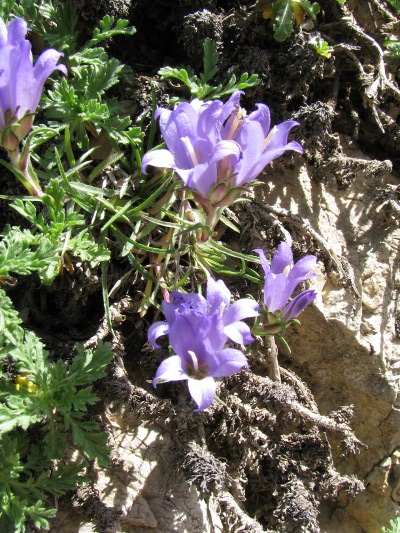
264 464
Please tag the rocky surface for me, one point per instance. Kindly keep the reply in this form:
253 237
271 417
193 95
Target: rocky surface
347 348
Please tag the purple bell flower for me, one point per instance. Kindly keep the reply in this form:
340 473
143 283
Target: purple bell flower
217 149
281 279
198 329
21 82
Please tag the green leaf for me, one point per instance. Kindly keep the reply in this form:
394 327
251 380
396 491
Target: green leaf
11 333
210 61
22 252
283 15
197 85
88 365
65 478
107 30
393 47
283 19
84 247
14 415
395 4
87 435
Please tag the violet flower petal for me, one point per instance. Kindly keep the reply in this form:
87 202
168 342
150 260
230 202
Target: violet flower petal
279 140
251 140
9 58
262 115
302 269
16 31
231 106
230 361
3 33
297 305
158 158
171 369
156 330
263 260
45 65
202 391
195 332
255 155
204 176
208 119
283 257
24 84
239 332
243 308
181 123
275 292
217 294
21 83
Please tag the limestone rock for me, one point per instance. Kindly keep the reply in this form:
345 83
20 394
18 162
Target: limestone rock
346 348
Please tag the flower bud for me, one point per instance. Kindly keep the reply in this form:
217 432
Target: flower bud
9 141
203 234
269 324
230 197
24 126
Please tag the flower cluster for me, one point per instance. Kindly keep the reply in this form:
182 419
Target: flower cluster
21 86
199 328
217 149
281 279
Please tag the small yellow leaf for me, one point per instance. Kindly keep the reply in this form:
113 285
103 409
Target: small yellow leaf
266 14
299 14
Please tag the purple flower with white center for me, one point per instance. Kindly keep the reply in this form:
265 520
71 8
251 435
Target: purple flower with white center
198 329
217 149
281 279
21 82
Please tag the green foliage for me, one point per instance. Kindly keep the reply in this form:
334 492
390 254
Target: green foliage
22 492
22 252
322 47
11 332
107 30
55 393
395 4
55 232
198 85
393 47
285 12
6 8
50 394
79 100
53 397
44 401
53 20
394 526
214 257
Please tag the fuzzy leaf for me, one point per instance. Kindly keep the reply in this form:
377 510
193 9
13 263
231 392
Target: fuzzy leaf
11 333
87 435
107 30
88 365
197 84
210 61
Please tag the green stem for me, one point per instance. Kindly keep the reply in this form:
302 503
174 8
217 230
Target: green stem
28 181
